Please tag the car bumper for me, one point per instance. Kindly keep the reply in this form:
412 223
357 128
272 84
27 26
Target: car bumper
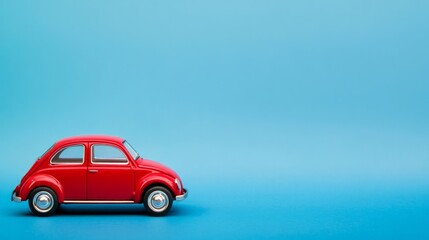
14 198
183 196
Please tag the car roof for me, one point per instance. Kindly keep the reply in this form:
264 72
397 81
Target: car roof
91 138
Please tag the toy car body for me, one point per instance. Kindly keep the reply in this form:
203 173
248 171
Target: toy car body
97 169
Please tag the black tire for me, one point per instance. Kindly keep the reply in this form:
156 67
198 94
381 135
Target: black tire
43 201
158 201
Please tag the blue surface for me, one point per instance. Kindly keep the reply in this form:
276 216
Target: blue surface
286 120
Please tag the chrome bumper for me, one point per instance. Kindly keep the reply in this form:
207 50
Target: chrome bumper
183 196
14 198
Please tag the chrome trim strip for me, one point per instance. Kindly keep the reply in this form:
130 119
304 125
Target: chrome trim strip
15 198
96 201
183 196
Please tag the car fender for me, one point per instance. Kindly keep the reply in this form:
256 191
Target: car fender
42 180
153 179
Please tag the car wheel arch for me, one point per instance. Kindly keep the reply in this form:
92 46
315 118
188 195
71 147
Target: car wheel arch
148 182
42 180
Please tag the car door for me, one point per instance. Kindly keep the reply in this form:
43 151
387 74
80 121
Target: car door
110 175
68 166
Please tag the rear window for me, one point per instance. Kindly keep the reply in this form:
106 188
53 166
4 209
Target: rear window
69 155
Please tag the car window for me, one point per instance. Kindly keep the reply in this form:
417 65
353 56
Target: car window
69 155
107 154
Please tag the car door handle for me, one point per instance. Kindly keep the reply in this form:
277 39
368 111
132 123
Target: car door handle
93 170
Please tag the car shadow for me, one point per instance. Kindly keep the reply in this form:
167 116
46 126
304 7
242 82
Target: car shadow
118 210
100 209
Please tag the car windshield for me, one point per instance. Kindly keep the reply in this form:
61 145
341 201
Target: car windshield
131 150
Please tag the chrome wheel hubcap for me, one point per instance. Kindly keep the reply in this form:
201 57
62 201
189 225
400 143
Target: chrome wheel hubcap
158 201
43 201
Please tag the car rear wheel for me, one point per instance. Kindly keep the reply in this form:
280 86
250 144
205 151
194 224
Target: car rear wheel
158 201
43 201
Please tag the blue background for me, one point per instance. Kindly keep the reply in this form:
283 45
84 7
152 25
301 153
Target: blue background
285 119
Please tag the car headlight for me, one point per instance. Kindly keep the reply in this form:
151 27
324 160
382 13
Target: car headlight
179 184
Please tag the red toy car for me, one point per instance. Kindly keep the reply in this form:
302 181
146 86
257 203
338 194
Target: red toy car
97 169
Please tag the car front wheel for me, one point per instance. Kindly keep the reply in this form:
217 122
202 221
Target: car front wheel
158 201
43 201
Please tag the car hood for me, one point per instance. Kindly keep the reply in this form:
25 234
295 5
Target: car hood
149 164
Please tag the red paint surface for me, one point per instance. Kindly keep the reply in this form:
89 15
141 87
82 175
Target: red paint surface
95 181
